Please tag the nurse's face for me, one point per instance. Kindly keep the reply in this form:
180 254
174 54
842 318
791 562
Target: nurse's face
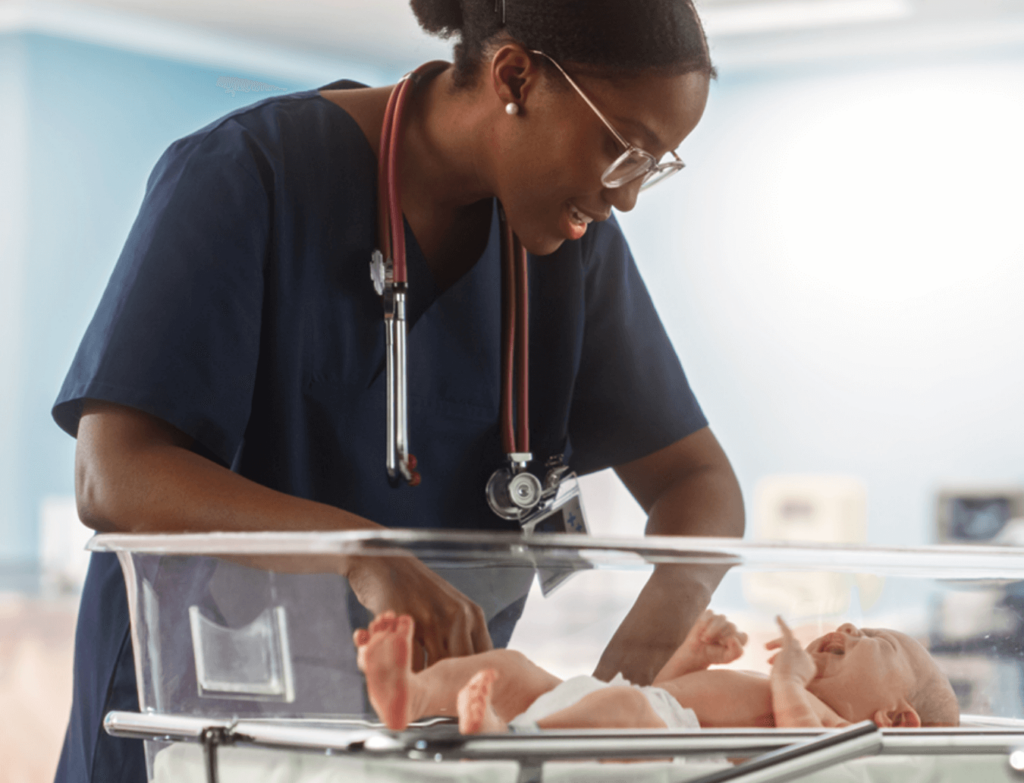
550 173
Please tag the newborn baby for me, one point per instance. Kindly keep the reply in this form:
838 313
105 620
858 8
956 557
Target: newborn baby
849 675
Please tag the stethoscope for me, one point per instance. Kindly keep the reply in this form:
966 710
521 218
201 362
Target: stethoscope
513 492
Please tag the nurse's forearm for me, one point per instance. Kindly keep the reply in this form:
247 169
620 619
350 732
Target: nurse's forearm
687 488
706 502
135 473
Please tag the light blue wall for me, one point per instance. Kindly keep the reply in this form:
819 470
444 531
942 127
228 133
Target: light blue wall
92 123
13 249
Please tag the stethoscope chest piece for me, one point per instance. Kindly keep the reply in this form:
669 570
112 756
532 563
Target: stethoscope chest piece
513 492
554 506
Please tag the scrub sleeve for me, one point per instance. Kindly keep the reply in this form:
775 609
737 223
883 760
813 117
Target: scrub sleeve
241 312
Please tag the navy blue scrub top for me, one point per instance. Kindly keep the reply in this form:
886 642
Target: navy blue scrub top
241 311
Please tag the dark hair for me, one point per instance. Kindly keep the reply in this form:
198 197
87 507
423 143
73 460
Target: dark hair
607 38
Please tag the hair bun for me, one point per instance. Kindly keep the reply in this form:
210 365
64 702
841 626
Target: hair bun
440 17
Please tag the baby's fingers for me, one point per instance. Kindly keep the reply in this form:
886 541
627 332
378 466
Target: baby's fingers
774 644
733 650
709 626
786 633
721 628
699 628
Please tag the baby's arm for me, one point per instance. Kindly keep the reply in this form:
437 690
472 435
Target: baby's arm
712 639
792 669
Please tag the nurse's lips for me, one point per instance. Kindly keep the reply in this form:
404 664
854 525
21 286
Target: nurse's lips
576 221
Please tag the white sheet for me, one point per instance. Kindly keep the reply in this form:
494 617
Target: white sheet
183 763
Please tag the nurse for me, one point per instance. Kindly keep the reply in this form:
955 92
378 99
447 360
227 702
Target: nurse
231 378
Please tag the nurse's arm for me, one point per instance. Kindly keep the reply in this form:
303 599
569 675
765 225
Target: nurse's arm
687 489
137 473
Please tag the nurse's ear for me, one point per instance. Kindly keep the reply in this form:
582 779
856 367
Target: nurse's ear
514 77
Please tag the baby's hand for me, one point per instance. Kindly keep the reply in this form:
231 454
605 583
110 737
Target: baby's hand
791 662
713 639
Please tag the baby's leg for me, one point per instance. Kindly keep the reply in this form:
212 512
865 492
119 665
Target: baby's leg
615 707
400 696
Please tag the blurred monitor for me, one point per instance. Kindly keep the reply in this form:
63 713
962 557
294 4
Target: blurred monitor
977 515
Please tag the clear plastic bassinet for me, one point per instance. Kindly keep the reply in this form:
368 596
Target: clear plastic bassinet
245 640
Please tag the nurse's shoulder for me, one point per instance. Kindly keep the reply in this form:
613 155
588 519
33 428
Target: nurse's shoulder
365 105
291 136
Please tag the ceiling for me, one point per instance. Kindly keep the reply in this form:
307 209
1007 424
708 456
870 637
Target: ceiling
385 31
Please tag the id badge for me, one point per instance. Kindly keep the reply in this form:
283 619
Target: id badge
560 511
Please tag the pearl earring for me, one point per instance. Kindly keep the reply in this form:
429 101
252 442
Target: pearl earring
511 109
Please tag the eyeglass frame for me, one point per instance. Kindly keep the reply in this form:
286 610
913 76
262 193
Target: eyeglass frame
654 168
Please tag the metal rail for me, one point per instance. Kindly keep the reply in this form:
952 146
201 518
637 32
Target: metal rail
778 753
476 549
802 758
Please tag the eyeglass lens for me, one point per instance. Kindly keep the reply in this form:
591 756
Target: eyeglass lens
654 176
634 163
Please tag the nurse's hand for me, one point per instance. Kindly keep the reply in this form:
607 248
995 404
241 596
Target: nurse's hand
448 623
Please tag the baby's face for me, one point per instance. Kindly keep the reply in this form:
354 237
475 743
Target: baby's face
862 670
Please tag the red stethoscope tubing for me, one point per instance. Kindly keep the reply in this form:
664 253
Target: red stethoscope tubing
391 231
515 331
515 339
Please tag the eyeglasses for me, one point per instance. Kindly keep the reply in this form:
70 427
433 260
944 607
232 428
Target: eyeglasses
632 163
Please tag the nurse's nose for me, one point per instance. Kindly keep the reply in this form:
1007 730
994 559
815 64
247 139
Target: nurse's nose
849 629
623 198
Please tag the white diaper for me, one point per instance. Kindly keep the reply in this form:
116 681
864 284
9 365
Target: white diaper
572 690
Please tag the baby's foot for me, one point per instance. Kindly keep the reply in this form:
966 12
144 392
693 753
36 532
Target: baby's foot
384 657
386 621
476 715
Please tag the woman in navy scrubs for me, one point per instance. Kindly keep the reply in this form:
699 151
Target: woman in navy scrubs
231 378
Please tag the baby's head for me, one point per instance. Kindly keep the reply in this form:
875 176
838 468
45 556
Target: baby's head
881 675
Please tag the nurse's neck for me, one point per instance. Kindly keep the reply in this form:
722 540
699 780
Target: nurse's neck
448 144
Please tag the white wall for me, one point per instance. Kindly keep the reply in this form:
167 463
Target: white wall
841 267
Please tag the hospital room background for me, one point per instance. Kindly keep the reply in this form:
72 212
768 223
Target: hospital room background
840 267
